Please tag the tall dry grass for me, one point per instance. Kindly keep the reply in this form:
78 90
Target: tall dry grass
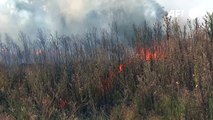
101 75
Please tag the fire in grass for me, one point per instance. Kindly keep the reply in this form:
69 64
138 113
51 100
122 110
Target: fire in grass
156 53
143 53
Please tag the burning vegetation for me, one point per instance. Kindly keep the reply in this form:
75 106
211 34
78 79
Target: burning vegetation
161 73
148 54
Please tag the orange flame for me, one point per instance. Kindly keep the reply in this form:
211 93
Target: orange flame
121 68
142 53
148 55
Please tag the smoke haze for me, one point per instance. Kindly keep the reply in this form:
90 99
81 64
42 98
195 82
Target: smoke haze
74 16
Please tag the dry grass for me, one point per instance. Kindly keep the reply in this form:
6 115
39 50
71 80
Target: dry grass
60 77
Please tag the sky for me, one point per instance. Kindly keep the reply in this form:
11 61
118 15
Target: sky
76 16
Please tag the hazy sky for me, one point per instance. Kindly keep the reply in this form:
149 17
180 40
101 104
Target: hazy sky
190 8
76 16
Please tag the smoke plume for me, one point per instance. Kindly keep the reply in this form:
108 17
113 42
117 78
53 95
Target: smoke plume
74 16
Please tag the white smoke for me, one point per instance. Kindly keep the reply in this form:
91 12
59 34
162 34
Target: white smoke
73 16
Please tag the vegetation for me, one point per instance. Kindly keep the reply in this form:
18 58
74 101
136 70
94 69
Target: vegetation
159 72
